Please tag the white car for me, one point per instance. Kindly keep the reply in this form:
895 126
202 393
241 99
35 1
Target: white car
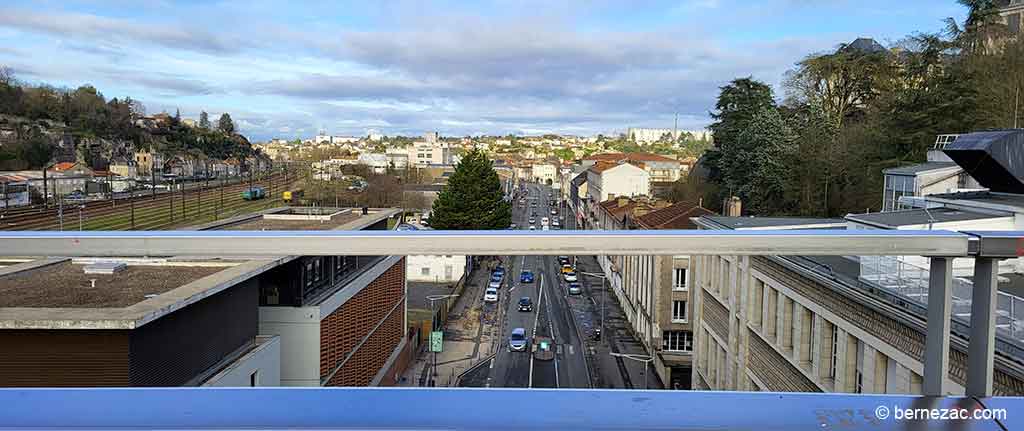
533 227
570 276
544 221
491 295
545 228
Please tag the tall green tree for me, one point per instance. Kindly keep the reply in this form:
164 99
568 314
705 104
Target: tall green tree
225 125
473 199
759 165
204 120
737 104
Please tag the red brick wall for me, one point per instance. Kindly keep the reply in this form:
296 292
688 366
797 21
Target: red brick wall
343 329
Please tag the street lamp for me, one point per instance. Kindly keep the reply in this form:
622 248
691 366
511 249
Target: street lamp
433 327
639 358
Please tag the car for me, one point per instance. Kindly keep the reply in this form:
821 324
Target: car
526 277
546 227
533 220
544 221
554 212
570 276
494 284
491 295
566 268
543 351
575 288
512 226
517 341
555 222
525 304
499 270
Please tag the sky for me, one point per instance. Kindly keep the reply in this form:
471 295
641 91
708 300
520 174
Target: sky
294 69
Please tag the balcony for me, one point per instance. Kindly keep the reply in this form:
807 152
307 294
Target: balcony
187 408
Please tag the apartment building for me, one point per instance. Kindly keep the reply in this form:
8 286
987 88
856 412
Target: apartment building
653 290
544 173
606 180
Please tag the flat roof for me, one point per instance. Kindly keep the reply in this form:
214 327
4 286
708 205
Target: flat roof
294 219
919 217
995 200
921 168
55 293
740 223
313 224
65 284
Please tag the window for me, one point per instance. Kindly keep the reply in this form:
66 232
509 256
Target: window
679 279
425 270
677 341
679 311
835 354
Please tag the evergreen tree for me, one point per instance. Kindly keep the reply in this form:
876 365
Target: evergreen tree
204 120
473 199
224 124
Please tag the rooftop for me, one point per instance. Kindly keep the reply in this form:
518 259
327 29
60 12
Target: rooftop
302 218
632 157
63 283
754 223
922 168
913 217
675 216
995 200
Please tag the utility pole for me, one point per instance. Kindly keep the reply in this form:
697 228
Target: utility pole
46 190
132 203
171 201
152 171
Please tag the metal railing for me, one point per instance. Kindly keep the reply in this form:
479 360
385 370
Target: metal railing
941 141
939 246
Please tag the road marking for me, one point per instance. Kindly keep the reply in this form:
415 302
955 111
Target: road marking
531 372
491 366
570 349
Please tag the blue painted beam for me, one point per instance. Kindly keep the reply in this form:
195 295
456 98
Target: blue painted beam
422 408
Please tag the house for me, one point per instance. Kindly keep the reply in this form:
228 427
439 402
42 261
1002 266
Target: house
123 167
606 180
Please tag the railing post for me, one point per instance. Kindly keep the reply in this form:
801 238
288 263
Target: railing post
936 349
981 351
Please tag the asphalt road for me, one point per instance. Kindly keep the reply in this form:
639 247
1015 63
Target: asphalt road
550 317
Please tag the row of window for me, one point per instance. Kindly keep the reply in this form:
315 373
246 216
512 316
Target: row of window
677 341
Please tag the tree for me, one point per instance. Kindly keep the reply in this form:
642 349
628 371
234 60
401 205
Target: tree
758 171
225 125
737 103
473 198
838 83
204 120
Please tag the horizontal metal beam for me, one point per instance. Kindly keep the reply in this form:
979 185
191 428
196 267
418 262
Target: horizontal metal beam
434 242
457 409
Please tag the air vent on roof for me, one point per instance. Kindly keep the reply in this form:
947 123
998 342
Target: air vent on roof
105 268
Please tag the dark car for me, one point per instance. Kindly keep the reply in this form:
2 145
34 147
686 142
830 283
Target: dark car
525 304
526 277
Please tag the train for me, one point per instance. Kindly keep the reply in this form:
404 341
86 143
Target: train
254 193
292 196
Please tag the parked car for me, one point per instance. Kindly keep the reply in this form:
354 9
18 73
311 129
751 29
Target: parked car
533 227
525 304
545 227
544 221
512 226
533 220
517 341
499 270
494 284
570 276
491 295
566 268
575 288
554 223
563 260
526 277
554 212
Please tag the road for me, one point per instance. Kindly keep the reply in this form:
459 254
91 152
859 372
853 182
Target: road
550 317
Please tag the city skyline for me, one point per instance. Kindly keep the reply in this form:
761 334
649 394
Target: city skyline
402 68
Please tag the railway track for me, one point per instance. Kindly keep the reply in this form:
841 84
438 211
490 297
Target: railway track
200 204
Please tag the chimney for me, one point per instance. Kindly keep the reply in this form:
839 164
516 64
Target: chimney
623 201
733 207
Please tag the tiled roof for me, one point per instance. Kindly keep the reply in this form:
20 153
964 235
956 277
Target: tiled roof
675 216
602 166
632 157
613 208
63 166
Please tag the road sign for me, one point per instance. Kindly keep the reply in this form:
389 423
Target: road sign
436 341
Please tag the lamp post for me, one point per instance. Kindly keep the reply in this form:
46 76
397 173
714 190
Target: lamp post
433 327
639 358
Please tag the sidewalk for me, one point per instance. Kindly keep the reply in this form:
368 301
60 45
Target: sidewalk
467 338
608 371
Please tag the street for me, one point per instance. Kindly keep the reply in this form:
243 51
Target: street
550 317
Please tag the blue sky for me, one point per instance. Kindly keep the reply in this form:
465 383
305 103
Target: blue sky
290 69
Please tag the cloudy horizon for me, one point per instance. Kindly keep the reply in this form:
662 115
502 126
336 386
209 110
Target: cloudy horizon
403 67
